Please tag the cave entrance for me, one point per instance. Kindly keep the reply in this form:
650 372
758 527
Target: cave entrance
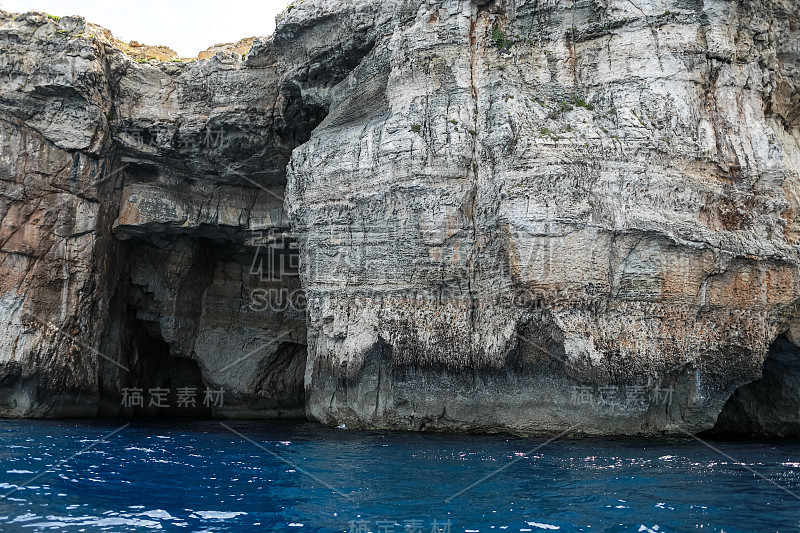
281 386
160 384
767 407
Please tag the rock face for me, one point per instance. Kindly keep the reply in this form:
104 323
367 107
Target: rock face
527 216
142 204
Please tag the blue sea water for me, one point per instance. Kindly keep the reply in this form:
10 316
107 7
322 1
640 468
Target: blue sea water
301 477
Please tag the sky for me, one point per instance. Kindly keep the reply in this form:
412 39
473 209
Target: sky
186 26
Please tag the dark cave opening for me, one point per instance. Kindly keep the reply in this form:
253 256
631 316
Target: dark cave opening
165 365
767 407
281 382
159 384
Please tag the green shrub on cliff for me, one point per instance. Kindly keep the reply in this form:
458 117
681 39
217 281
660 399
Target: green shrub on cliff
580 102
500 39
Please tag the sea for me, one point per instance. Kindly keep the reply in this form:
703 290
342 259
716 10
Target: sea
289 476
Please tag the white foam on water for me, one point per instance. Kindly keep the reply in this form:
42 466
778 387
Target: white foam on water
542 526
217 515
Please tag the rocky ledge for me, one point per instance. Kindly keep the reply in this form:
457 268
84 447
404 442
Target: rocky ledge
534 216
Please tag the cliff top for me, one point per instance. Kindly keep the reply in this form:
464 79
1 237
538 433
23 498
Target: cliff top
74 26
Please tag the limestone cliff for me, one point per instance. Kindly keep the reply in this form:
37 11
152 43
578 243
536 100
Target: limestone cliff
522 216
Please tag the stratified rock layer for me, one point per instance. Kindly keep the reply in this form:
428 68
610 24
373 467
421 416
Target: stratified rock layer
524 215
142 204
509 216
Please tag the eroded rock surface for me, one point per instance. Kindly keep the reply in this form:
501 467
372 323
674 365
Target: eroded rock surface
526 216
622 166
141 204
